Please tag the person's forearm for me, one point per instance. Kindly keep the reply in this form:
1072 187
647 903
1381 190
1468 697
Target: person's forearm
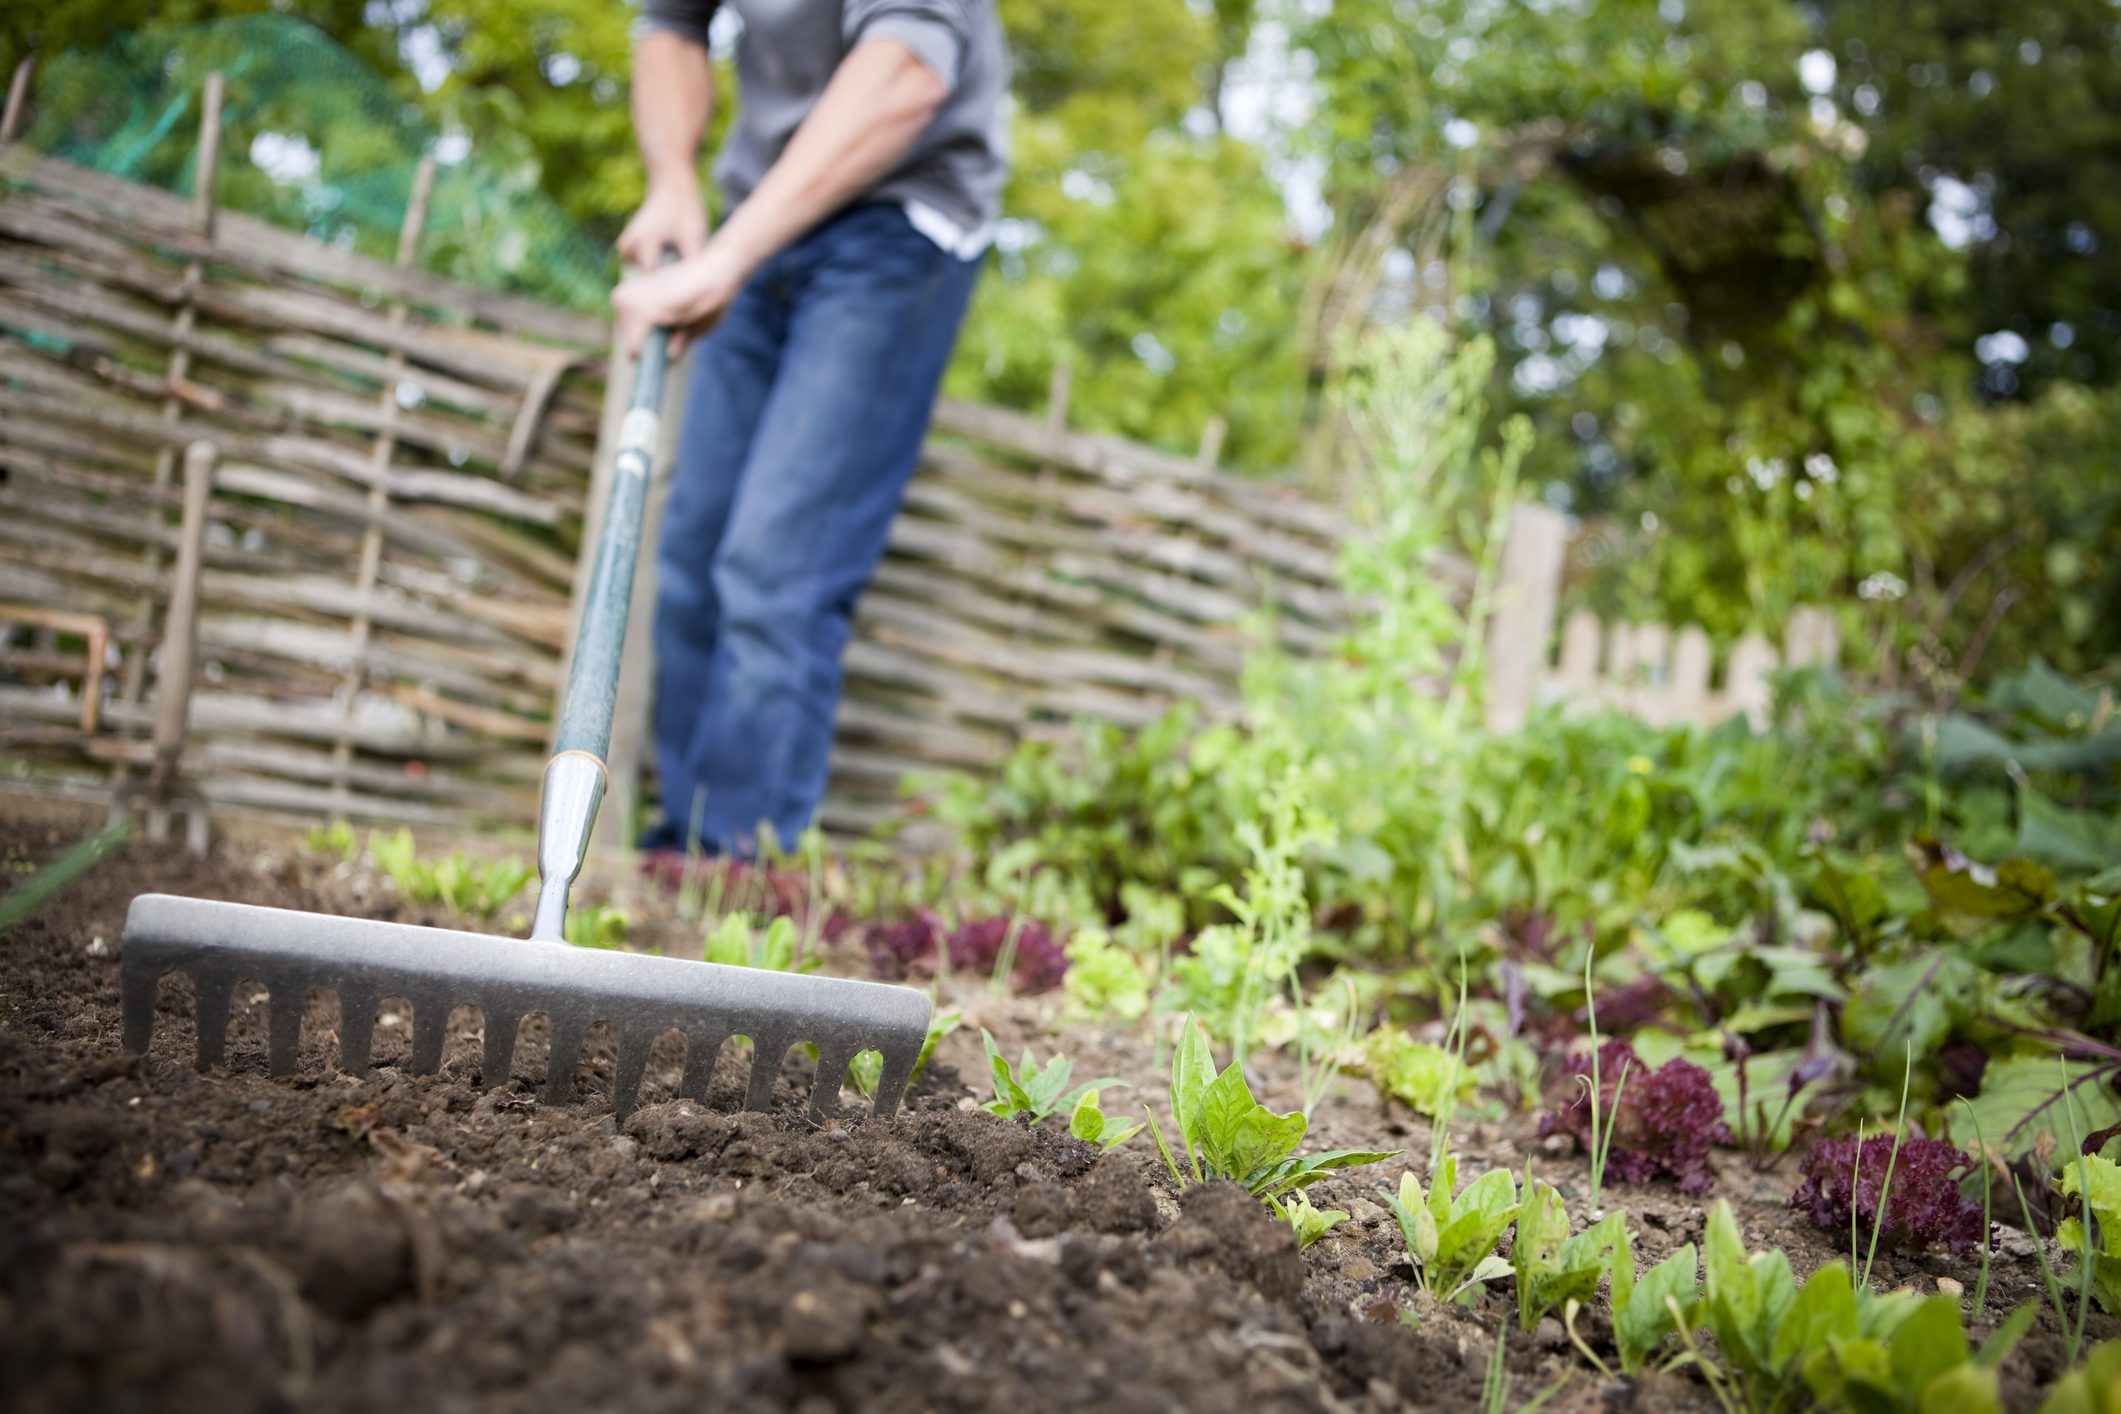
673 98
879 100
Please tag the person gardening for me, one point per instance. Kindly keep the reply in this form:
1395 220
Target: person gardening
864 170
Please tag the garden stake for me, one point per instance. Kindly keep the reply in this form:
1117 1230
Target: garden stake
435 969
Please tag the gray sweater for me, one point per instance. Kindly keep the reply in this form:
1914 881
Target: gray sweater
788 53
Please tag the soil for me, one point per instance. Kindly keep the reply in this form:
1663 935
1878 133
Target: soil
227 1241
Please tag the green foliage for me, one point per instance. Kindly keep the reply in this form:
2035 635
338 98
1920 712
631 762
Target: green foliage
456 881
1028 1089
1104 981
1427 1078
1223 1133
1782 1345
1092 1125
1654 1306
738 940
866 1071
1309 1223
2094 1235
2092 1388
336 838
1555 1267
1451 1237
597 925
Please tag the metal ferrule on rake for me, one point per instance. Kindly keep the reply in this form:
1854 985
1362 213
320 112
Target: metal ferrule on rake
437 970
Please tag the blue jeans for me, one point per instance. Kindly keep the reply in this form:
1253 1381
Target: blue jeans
808 405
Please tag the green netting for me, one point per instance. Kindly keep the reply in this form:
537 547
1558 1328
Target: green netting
313 139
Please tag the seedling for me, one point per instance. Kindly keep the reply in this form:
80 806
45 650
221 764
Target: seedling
739 942
1093 1126
1600 1145
1555 1269
1452 1239
598 925
1224 1133
1310 1223
867 1068
1027 1088
1835 1342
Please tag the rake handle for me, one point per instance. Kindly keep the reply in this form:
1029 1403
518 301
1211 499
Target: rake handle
593 678
576 776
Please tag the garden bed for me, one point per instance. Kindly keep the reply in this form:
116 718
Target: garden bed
230 1241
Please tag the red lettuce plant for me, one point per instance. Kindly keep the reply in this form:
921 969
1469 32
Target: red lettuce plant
977 946
1926 1204
912 948
1664 1121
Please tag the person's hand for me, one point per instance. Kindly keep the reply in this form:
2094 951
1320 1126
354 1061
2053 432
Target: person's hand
686 298
672 217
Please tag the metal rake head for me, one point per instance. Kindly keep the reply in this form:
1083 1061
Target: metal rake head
438 969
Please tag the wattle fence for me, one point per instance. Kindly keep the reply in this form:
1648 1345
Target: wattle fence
289 531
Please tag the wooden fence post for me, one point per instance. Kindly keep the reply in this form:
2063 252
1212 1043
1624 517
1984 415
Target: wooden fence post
1746 687
381 452
177 664
1527 591
205 164
17 101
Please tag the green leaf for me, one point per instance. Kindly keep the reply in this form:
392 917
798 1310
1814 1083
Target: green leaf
1642 1322
1192 1069
2022 1098
1824 1310
1929 1343
2067 839
1853 897
1956 884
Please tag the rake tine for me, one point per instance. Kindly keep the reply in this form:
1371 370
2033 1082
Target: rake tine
832 1062
767 1053
500 1049
897 1071
702 1050
213 995
284 1028
633 1060
357 1028
430 1027
566 1054
137 988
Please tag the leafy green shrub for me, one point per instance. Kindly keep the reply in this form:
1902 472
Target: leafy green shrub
1223 1133
1451 1237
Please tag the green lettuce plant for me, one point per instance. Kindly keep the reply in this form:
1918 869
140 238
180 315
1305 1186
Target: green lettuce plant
1310 1223
1451 1237
1555 1267
1223 1133
1028 1088
1092 1125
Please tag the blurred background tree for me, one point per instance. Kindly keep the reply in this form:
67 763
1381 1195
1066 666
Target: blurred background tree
1808 302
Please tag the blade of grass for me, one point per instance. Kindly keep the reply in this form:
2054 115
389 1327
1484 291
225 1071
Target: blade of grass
1885 1190
1988 1221
31 894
